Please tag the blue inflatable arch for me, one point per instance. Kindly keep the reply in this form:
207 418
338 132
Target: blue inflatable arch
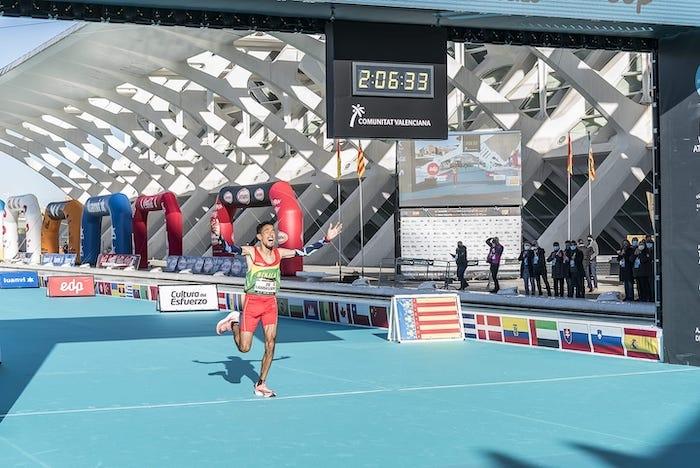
117 207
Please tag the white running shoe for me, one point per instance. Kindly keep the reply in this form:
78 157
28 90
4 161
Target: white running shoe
261 390
227 322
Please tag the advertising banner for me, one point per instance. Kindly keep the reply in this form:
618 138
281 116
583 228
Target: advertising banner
679 168
188 298
58 260
70 286
118 261
18 279
433 233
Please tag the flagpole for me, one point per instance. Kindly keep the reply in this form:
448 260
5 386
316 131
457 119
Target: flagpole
362 221
340 240
590 190
568 176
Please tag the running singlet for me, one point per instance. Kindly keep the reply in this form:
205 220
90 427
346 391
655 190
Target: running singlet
263 278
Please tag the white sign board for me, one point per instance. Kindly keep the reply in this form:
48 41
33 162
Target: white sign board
188 298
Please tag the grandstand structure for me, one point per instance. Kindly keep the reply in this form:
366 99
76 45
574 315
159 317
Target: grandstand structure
106 108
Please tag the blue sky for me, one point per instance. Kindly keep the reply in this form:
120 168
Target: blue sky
17 37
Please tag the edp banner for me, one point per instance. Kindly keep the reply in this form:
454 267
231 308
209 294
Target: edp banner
679 167
18 279
70 286
188 298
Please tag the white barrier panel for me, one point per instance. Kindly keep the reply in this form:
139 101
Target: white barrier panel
425 317
27 205
188 298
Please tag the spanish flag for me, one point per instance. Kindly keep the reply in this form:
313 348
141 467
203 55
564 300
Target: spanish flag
570 161
591 161
360 162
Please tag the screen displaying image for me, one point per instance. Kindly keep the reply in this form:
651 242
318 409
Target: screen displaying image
467 169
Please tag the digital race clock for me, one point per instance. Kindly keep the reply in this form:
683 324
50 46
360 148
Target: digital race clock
392 80
394 88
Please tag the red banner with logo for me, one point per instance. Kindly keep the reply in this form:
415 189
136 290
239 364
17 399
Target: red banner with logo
70 286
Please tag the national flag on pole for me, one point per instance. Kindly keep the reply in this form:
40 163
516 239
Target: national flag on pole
591 161
570 159
360 162
337 160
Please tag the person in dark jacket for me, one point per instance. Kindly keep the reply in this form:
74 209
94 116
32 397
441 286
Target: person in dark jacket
567 270
539 266
641 270
526 269
624 259
460 257
574 258
556 258
649 240
494 259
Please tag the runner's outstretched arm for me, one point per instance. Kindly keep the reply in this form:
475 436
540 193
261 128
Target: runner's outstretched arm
333 232
235 249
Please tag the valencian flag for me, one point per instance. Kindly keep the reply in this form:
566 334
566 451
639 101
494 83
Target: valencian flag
591 161
570 160
360 162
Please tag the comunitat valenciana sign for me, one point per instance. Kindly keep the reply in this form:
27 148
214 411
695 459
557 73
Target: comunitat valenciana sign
386 81
668 12
188 298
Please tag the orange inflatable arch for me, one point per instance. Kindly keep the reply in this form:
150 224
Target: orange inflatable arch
72 212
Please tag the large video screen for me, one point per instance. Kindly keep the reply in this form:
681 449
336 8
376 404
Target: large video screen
467 169
433 233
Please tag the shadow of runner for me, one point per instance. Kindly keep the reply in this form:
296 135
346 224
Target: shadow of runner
237 368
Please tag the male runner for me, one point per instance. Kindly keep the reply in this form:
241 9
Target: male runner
262 282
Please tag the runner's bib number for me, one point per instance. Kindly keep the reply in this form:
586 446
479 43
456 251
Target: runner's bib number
265 286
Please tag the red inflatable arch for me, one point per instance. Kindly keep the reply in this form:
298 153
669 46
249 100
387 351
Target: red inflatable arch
279 195
173 223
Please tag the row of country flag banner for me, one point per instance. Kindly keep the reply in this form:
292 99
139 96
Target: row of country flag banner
569 335
331 310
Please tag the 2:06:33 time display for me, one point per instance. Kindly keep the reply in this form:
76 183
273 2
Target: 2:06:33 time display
392 80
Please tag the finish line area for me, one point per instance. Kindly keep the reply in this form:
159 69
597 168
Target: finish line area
100 381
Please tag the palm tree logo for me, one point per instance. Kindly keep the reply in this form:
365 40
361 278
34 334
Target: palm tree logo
357 111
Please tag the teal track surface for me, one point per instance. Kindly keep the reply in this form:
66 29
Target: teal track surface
110 382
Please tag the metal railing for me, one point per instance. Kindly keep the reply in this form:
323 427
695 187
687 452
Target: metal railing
404 270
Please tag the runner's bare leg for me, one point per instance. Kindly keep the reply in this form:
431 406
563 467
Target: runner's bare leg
270 338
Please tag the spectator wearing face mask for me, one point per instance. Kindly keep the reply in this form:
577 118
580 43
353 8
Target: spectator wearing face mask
584 267
641 269
539 266
592 271
567 269
556 258
527 272
575 261
624 259
649 240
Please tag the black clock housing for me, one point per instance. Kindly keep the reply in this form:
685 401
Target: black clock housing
393 88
